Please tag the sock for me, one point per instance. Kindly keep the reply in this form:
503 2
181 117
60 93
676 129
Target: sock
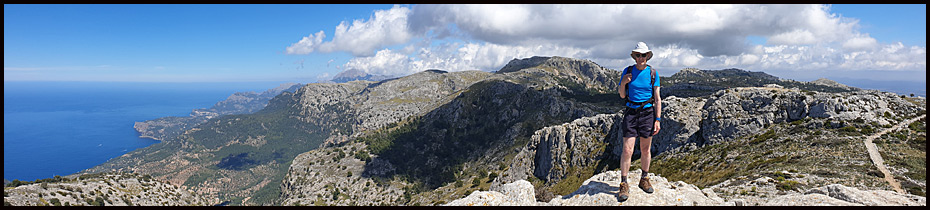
644 174
623 178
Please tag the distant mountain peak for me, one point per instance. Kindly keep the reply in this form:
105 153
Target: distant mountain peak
828 82
355 74
518 64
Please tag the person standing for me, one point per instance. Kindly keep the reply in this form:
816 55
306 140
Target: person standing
641 117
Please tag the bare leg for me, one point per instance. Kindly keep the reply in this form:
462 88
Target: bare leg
627 155
645 157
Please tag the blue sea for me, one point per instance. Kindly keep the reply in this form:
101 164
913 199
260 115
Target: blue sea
60 128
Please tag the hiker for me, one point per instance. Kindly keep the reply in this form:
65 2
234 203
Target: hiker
641 117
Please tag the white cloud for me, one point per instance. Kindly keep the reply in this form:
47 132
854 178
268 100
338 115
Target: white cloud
796 37
307 44
456 57
860 43
361 38
703 36
385 62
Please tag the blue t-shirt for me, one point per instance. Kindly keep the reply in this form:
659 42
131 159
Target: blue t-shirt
639 89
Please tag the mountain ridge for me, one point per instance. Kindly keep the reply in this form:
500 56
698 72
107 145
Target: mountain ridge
366 132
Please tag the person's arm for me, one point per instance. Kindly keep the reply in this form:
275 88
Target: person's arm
658 106
624 79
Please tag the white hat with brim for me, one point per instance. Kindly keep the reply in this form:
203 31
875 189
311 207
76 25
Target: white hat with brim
643 49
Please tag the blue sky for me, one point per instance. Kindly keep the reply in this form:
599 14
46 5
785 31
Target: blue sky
307 43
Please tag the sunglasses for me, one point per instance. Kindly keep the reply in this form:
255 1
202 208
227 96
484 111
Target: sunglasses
640 55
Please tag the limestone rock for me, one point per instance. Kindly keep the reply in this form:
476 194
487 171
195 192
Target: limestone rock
599 190
519 193
868 197
602 189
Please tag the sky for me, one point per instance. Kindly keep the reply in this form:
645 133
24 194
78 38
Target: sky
310 43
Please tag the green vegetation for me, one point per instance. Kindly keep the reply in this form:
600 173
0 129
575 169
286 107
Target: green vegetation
823 152
56 179
269 137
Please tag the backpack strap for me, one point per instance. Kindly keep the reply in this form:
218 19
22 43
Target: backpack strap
627 69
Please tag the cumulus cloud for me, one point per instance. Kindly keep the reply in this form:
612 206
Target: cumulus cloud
860 43
485 37
456 57
711 29
307 44
361 38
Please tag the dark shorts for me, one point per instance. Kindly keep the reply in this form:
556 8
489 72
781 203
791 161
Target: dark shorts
638 122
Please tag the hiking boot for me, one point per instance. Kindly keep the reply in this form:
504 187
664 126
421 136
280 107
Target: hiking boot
624 192
645 185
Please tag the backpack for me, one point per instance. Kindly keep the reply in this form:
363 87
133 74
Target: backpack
652 82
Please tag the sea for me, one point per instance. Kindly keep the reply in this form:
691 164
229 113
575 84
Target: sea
60 128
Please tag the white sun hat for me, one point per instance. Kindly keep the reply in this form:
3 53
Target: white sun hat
642 49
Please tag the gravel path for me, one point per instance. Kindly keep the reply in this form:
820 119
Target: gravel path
877 158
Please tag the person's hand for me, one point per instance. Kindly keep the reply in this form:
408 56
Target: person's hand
656 127
627 78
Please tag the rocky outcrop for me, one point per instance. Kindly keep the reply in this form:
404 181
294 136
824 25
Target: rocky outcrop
864 197
579 75
602 189
334 176
554 150
737 112
599 190
110 189
828 82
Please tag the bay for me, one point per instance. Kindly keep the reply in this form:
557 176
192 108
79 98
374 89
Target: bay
60 128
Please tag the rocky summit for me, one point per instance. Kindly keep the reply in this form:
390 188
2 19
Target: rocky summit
602 189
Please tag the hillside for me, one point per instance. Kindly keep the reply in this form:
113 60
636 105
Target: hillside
435 136
103 189
690 82
237 103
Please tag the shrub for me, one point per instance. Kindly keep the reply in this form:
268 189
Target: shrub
362 155
55 201
788 185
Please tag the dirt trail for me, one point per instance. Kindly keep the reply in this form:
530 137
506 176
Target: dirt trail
877 158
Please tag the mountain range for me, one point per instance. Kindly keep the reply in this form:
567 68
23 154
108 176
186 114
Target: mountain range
434 137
